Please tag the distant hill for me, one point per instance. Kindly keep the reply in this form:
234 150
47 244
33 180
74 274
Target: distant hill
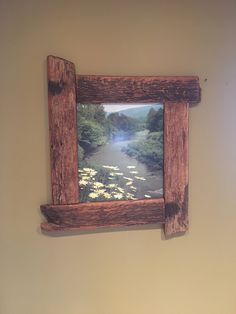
139 112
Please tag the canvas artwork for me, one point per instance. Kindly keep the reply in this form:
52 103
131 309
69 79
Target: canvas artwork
120 151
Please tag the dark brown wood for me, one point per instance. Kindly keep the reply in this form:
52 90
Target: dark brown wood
63 130
95 89
176 167
103 214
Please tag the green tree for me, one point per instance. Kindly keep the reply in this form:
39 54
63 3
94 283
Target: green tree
155 120
90 135
91 112
99 114
91 127
122 122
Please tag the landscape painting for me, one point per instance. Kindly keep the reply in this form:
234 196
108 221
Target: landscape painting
120 151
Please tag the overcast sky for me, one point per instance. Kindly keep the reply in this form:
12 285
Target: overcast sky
118 107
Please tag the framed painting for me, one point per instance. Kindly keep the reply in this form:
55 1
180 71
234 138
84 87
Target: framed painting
118 149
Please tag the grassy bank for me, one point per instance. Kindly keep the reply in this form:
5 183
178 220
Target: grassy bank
148 151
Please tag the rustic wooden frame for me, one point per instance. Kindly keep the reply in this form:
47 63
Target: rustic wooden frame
65 89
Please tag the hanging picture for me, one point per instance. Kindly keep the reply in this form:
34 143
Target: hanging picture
118 149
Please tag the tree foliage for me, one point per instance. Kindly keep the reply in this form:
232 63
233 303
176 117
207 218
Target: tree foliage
91 129
122 122
91 112
155 120
91 134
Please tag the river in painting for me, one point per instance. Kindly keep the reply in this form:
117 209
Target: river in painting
120 151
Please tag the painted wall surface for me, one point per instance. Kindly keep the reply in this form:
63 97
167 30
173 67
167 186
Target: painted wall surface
130 271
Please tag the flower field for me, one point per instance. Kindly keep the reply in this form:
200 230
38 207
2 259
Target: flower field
107 183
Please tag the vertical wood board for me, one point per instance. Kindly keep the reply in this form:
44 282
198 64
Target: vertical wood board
63 130
176 167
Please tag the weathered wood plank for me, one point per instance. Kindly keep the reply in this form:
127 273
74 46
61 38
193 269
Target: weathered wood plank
103 214
63 130
176 167
92 89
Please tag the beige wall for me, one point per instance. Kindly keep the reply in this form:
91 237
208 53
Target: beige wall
118 272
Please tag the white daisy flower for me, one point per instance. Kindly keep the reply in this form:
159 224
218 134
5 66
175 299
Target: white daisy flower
129 183
112 185
130 194
98 184
118 196
126 178
120 189
83 182
85 177
107 195
140 178
93 195
99 192
88 169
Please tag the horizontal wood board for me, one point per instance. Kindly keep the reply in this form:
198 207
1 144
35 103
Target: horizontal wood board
95 89
103 214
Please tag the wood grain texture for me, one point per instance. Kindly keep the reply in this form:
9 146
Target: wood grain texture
95 89
103 214
63 130
176 167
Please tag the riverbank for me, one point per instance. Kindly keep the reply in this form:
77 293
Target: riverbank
148 150
114 166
